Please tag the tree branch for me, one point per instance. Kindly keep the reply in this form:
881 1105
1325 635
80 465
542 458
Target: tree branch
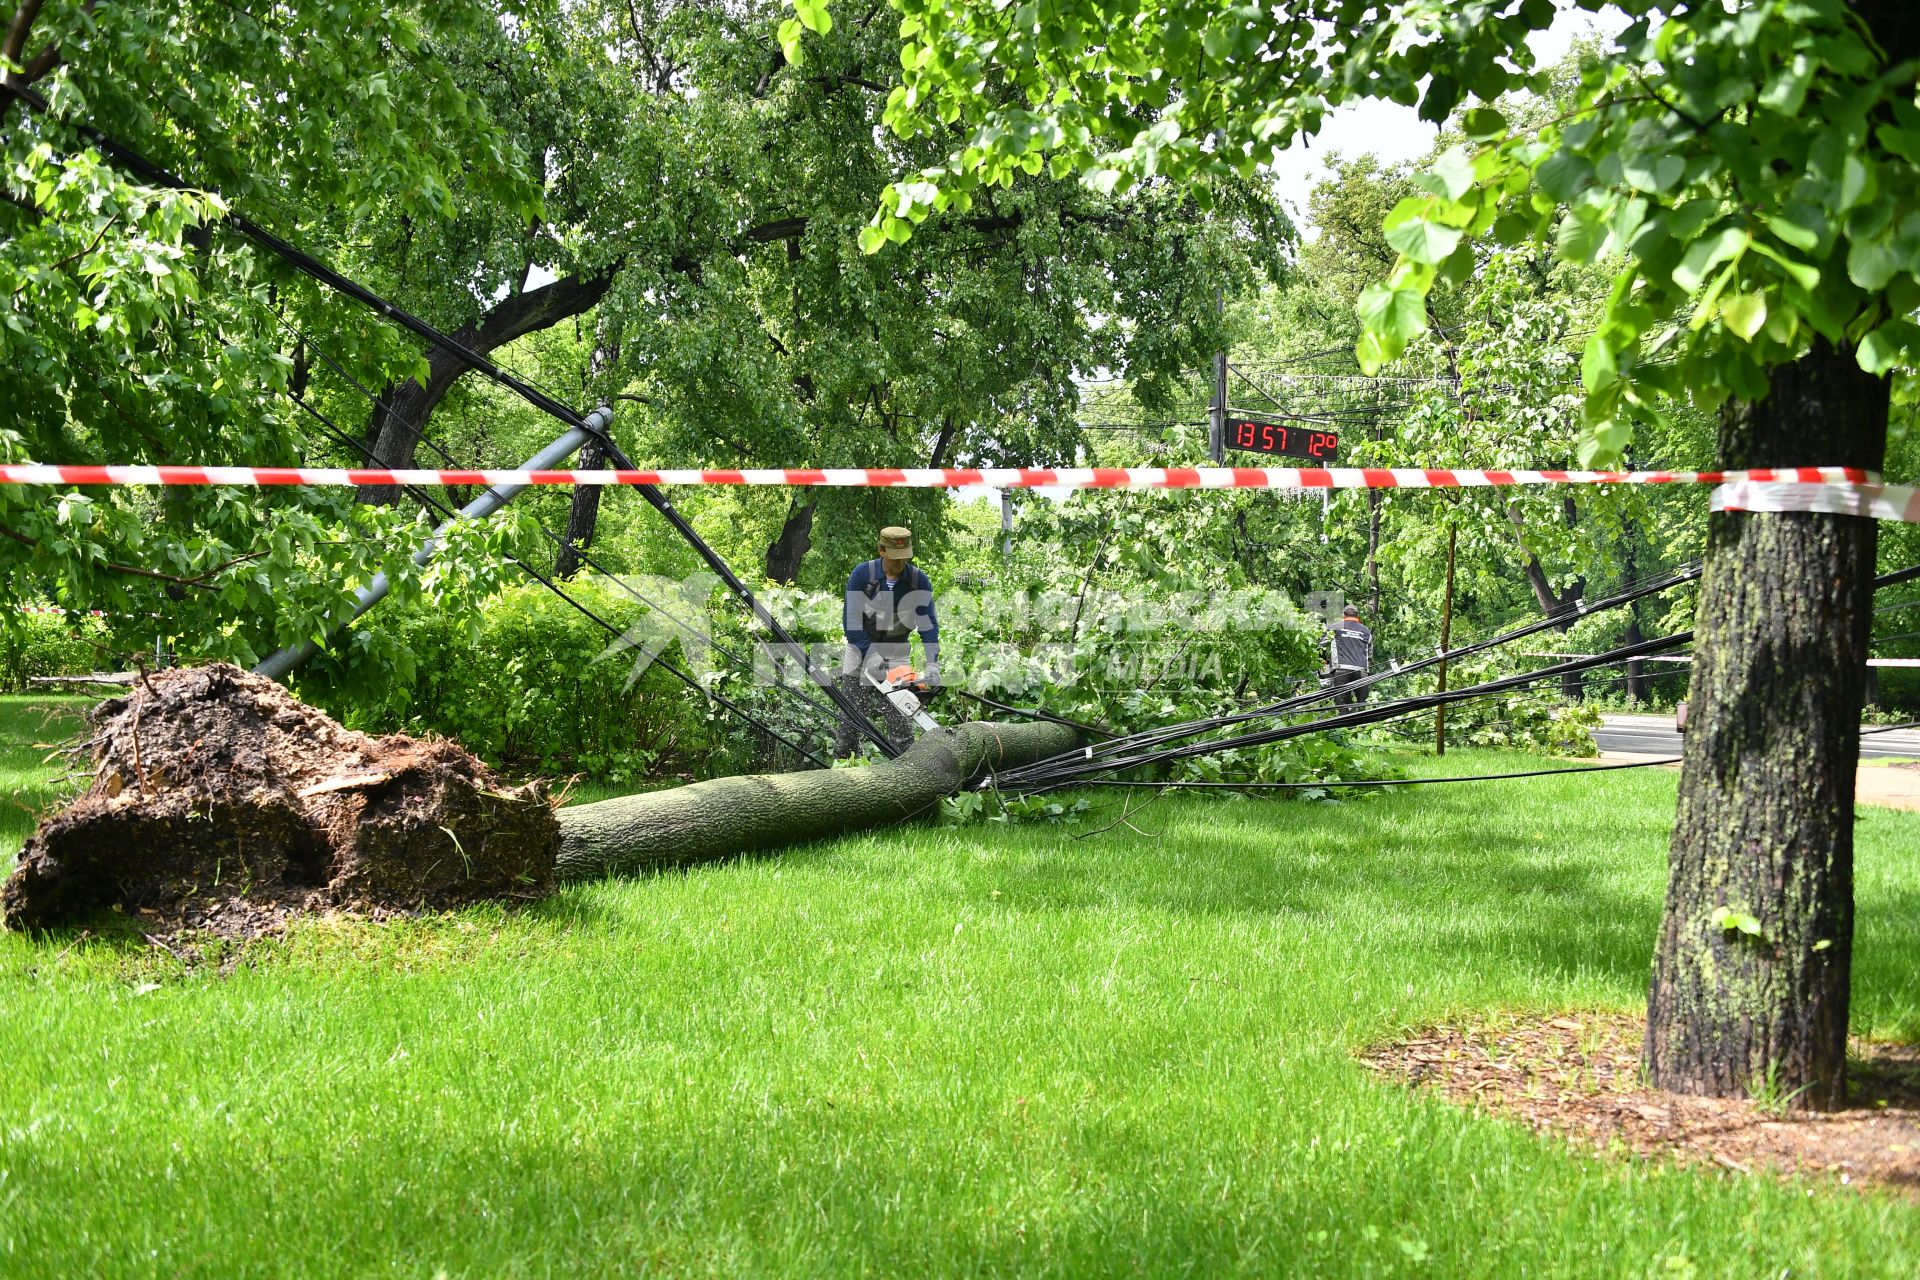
72 258
138 572
38 66
17 30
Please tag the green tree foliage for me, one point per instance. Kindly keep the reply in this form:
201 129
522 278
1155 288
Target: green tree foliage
130 331
704 191
1743 231
694 194
1749 173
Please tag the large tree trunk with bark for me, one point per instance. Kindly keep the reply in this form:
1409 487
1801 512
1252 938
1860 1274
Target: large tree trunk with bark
1757 998
583 511
1637 690
1555 605
394 431
785 552
727 816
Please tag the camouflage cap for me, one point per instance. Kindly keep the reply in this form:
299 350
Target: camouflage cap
897 539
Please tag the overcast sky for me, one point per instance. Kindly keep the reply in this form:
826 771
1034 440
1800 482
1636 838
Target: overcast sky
1396 133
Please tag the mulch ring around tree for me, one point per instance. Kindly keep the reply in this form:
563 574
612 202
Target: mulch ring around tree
222 805
1578 1076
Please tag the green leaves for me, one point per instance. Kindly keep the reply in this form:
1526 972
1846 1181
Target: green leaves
1707 253
1451 176
1744 314
1393 318
1651 172
1892 345
789 36
1737 921
1413 229
1872 264
1743 165
813 13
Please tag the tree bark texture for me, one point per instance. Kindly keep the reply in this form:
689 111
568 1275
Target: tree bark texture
1765 823
1637 691
1572 684
1373 553
722 817
785 552
394 431
1446 639
583 513
583 510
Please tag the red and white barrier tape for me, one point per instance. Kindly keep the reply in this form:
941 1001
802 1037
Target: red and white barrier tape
932 477
1870 499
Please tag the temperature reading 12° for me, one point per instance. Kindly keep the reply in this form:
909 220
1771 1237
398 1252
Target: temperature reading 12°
1261 435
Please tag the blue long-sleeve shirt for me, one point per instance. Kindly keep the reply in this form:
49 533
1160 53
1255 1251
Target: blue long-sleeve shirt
876 611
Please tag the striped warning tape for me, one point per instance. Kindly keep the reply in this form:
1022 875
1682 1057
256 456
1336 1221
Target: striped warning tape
1867 498
934 477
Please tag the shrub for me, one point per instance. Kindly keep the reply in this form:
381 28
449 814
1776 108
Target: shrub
47 644
520 683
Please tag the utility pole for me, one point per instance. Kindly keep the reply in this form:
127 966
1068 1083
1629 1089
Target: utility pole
1217 413
279 663
1446 638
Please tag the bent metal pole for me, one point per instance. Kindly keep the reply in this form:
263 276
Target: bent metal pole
276 665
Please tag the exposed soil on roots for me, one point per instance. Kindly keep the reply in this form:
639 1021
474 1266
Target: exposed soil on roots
219 802
1579 1075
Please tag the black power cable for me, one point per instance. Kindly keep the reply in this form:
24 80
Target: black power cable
373 397
434 505
1065 770
1068 768
315 269
1169 733
1423 782
1035 713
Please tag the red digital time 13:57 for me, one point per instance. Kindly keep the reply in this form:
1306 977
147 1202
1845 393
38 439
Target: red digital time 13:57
1261 436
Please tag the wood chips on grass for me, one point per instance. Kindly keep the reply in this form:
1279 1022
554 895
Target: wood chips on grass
1578 1075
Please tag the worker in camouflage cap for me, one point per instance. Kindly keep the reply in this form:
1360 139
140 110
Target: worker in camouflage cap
889 600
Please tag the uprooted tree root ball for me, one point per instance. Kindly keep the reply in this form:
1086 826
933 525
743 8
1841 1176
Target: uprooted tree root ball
219 801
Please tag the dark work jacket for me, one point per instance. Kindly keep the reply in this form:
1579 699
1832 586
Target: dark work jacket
890 616
1352 646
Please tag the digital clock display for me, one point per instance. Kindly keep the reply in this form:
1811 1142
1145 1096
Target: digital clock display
1261 436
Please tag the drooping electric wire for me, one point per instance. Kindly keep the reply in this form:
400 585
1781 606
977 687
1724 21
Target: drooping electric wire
319 271
661 660
672 615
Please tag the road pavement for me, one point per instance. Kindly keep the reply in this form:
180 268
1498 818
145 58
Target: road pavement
1655 736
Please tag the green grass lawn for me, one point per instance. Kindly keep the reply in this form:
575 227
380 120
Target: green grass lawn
976 1051
25 776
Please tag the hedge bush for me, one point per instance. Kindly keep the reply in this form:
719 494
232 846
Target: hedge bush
47 644
519 684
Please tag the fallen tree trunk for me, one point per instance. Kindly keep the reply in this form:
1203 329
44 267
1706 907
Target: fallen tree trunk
726 816
221 803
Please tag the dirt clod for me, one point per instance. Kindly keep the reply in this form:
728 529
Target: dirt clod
221 803
1580 1076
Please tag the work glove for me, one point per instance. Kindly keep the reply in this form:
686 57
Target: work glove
931 679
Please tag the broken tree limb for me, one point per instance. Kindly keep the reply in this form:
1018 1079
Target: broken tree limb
721 817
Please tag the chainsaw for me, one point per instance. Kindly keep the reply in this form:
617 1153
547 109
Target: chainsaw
906 694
